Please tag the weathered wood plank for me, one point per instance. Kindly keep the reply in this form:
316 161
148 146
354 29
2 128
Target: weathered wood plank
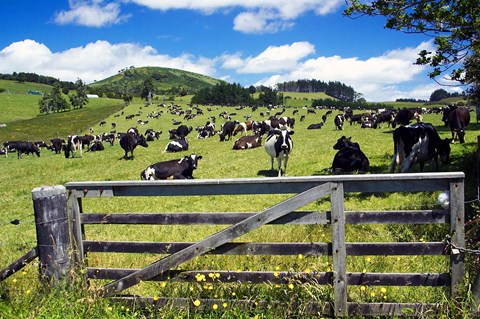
279 249
293 218
283 277
457 237
219 238
410 182
427 310
18 264
339 252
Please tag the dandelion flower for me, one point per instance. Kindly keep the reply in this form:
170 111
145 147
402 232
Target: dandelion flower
277 268
363 288
211 275
109 309
372 294
329 269
300 256
196 303
215 306
217 275
155 298
383 290
163 284
369 259
290 286
225 305
364 270
234 294
276 274
191 288
14 280
28 291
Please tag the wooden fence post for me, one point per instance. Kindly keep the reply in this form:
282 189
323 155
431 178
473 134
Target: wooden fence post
53 232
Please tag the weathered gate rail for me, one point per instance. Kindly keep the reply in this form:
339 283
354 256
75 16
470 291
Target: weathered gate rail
305 190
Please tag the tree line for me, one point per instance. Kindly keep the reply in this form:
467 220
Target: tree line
22 77
55 102
334 89
233 94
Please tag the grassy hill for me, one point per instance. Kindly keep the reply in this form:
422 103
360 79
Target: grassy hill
164 79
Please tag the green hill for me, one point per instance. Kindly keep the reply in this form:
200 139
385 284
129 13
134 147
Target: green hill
164 79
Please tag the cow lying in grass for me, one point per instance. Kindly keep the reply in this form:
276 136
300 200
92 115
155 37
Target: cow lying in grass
181 168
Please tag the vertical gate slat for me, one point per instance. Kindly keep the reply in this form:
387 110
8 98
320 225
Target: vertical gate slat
339 252
457 234
76 234
218 239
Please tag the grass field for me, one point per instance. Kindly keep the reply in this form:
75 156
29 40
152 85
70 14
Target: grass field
312 155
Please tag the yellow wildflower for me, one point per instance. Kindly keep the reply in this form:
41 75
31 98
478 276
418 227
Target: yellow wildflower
28 291
196 303
276 274
383 290
363 288
215 306
163 284
290 286
372 294
225 305
155 298
300 256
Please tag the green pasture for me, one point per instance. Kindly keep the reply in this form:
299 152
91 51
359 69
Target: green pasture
312 155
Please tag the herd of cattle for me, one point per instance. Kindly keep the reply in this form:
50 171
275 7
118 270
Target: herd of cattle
413 143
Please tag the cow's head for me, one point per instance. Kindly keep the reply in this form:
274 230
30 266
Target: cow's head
141 141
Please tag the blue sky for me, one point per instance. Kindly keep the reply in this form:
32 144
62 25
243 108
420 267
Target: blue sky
250 42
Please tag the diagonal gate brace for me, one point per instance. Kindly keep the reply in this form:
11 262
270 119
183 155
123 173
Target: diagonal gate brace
216 240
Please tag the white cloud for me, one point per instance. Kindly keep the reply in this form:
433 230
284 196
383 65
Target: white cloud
259 16
260 22
272 59
95 61
378 78
91 13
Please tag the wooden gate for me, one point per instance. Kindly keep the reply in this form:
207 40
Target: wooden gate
305 190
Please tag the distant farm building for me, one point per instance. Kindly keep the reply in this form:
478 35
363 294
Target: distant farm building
92 96
34 92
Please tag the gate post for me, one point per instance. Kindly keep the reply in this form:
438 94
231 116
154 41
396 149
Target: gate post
53 233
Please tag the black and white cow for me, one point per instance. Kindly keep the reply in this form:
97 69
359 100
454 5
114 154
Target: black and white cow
180 131
418 143
57 144
96 146
338 120
227 130
177 169
349 157
246 142
74 144
177 145
130 141
22 147
279 145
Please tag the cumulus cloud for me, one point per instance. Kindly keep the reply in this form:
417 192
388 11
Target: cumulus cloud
272 59
378 78
256 16
91 13
95 61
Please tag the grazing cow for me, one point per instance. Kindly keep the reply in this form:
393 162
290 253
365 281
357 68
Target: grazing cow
315 126
152 135
457 118
243 127
339 120
108 137
227 130
130 141
57 144
403 117
74 144
177 145
279 145
177 169
349 157
246 142
22 147
418 143
385 116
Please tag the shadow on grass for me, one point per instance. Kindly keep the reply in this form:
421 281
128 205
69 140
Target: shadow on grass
267 173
